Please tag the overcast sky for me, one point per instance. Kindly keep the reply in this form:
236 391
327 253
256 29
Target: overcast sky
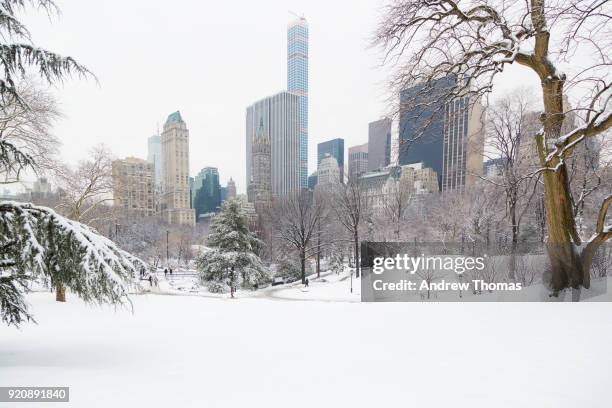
210 60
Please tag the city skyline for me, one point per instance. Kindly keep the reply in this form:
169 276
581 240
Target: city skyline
125 98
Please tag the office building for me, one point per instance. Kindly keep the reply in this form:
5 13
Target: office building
259 189
175 200
328 172
334 148
276 117
154 156
358 160
230 189
206 192
297 83
134 186
442 133
379 144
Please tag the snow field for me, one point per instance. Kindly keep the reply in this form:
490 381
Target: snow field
190 351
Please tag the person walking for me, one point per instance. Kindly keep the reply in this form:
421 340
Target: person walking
165 272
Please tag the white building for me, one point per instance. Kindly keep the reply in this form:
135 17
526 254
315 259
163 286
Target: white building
328 172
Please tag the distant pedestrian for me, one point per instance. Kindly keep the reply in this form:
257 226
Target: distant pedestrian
165 272
150 280
306 282
170 271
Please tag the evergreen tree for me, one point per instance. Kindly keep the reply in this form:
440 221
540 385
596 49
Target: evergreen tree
36 242
231 261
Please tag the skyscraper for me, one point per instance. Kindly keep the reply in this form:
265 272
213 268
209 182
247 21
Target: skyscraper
230 189
277 117
334 148
206 192
259 190
442 133
463 144
175 202
422 125
297 83
379 144
154 156
358 160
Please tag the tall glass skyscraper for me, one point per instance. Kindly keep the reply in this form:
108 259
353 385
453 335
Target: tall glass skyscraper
297 83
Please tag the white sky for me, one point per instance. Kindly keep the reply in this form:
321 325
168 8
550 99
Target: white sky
210 60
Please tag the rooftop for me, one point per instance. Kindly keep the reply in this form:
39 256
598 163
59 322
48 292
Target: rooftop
174 117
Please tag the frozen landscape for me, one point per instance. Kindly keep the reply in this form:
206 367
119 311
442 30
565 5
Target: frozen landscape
269 349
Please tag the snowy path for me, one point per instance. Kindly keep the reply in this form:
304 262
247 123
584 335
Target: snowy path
187 351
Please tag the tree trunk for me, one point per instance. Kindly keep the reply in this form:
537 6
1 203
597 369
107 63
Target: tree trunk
357 265
60 293
303 265
567 267
319 249
513 247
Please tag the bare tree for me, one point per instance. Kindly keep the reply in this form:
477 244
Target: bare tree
474 41
25 127
296 219
350 204
87 186
396 205
510 120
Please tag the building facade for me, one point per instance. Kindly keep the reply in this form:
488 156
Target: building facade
259 190
328 172
278 117
297 83
379 144
380 185
134 186
312 180
154 156
230 189
176 194
463 144
335 149
206 192
358 160
443 133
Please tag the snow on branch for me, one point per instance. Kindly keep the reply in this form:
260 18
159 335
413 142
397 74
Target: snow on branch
430 40
43 243
564 144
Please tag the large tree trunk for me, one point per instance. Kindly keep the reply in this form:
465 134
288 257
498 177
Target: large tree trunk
567 267
60 293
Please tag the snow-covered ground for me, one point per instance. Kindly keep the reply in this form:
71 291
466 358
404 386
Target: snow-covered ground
196 351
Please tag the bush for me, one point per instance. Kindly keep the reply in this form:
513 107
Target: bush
216 287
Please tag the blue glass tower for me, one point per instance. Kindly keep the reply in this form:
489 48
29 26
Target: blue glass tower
297 83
